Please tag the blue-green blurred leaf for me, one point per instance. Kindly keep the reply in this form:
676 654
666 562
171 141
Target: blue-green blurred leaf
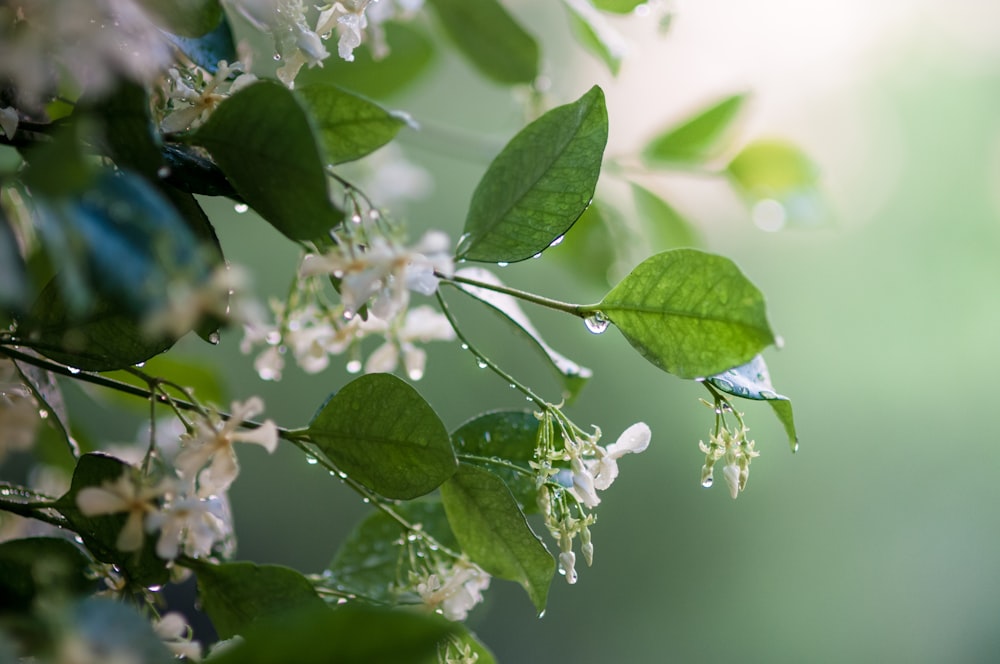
115 631
348 126
699 137
207 50
748 381
670 229
689 313
539 184
498 439
490 38
492 529
191 18
381 432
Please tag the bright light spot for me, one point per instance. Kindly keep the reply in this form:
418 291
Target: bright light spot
769 215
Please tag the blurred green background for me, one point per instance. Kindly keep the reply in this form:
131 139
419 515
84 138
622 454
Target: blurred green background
879 540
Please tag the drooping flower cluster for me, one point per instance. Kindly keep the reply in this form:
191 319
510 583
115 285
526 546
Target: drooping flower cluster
191 96
737 451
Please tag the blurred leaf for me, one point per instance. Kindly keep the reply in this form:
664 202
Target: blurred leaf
207 50
753 381
594 34
191 372
59 167
490 38
348 126
39 565
500 438
589 249
780 182
129 136
572 375
381 432
783 411
539 184
410 55
689 313
13 271
49 395
115 632
618 6
698 138
352 634
190 18
235 595
374 561
482 654
100 533
670 228
263 141
492 529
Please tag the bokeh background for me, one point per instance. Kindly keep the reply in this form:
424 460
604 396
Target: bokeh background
879 540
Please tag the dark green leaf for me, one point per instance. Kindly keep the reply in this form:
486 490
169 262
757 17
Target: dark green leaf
698 138
100 533
235 595
115 632
190 18
263 141
572 375
59 167
13 271
492 529
410 55
381 432
129 135
783 410
498 439
38 565
206 51
352 634
539 184
689 313
348 126
670 228
596 36
617 6
490 38
373 561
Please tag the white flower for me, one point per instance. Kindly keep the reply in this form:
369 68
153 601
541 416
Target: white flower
173 630
597 474
294 40
187 525
195 106
219 295
122 495
422 324
212 443
454 591
567 565
731 471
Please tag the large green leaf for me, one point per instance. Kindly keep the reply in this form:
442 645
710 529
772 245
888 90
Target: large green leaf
381 432
190 18
690 313
235 595
492 529
669 228
263 140
699 137
348 126
539 184
497 440
352 634
31 566
490 38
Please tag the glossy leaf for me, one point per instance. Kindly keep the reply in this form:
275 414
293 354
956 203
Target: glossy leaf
381 432
353 634
208 49
99 533
31 566
498 439
235 595
572 375
492 529
669 227
539 185
617 6
783 411
348 126
753 381
410 55
689 313
373 561
698 138
190 18
263 140
490 38
595 34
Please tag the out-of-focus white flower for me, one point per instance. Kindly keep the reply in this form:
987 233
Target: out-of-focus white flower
186 525
191 106
221 295
174 631
422 324
212 443
294 41
123 495
8 121
19 413
454 591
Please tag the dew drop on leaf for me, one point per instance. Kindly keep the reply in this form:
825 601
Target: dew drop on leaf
241 208
597 322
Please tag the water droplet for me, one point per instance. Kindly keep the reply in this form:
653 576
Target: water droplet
277 57
481 363
415 373
365 501
465 346
512 386
707 482
140 365
163 172
311 460
541 614
769 215
538 255
779 342
155 589
556 242
342 475
241 208
597 322
73 370
356 218
44 414
503 264
354 366
795 448
214 338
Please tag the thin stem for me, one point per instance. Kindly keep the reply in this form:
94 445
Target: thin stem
496 462
580 310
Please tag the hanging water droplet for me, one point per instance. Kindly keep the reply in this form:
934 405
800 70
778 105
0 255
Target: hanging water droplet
415 373
707 482
311 460
73 370
356 218
214 338
277 56
241 208
163 172
503 264
556 242
342 475
538 255
44 414
354 366
154 589
795 448
597 322
481 363
365 501
465 346
779 341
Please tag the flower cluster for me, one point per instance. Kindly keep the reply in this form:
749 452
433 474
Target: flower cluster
453 589
191 97
737 451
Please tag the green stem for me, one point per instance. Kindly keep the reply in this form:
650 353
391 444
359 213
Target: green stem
581 310
496 462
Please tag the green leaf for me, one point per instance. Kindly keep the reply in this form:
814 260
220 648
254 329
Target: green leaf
410 55
781 182
235 595
596 35
490 38
698 138
39 565
264 142
352 634
209 49
753 381
49 395
689 313
99 533
348 126
129 135
492 529
783 411
498 439
13 271
617 6
374 561
590 251
381 432
572 375
190 18
539 184
670 228
115 632
190 372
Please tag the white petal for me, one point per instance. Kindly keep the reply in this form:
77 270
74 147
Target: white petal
94 501
266 435
383 360
635 439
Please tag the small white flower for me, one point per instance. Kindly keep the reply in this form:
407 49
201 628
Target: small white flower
422 324
123 495
634 439
567 564
731 471
454 591
195 106
173 630
186 525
